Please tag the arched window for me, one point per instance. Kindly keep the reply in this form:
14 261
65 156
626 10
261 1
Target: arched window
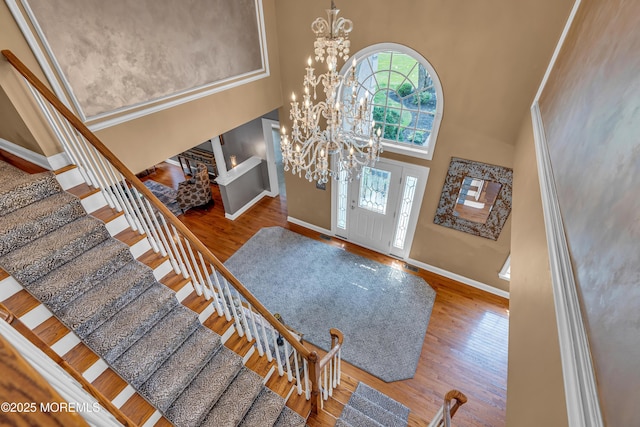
405 95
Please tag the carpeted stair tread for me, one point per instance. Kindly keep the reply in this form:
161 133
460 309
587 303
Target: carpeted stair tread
20 190
105 299
198 398
63 285
382 400
342 423
236 400
265 410
356 418
114 336
9 172
375 412
50 251
140 360
37 219
289 418
180 368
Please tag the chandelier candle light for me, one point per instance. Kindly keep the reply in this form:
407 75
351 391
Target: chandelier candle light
351 140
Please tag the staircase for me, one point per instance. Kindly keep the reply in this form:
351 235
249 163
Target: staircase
144 313
114 304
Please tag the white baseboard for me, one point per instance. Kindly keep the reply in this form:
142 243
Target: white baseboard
440 271
458 278
23 153
246 207
54 162
172 162
309 226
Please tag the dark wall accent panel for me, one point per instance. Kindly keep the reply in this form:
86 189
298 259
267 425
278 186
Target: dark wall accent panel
121 53
591 114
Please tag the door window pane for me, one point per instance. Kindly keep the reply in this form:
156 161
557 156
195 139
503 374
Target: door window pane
405 211
374 190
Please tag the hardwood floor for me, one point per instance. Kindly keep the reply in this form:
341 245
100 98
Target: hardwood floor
466 342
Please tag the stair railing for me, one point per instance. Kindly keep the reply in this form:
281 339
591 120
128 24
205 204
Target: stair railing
453 400
188 256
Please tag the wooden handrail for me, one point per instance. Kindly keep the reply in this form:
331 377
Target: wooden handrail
448 410
315 369
141 188
11 319
336 334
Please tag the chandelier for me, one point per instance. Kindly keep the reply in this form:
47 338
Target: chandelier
351 139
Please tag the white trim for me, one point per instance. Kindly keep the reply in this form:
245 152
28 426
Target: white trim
458 278
44 55
246 207
426 151
235 173
54 162
313 227
172 162
23 153
581 391
505 273
556 52
167 102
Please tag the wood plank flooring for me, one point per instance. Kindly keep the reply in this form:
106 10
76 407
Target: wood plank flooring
466 342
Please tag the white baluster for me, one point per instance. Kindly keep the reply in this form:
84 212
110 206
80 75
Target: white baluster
236 318
216 303
339 365
287 360
187 263
325 392
194 264
243 317
298 379
256 333
224 304
267 349
307 383
277 351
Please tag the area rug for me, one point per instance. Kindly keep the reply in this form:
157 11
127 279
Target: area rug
167 195
383 312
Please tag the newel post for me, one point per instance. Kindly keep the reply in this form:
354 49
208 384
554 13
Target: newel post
314 375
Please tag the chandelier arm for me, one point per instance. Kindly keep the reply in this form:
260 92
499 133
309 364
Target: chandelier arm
350 140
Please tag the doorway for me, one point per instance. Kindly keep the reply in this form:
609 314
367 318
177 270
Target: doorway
379 211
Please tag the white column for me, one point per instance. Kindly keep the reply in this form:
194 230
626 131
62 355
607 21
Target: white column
219 156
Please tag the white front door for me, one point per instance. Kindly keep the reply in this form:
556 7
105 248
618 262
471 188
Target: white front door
379 211
373 202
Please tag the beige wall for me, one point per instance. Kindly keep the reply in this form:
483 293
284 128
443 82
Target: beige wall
20 124
535 390
490 57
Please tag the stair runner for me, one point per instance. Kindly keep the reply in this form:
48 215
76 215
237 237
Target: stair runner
368 407
91 282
